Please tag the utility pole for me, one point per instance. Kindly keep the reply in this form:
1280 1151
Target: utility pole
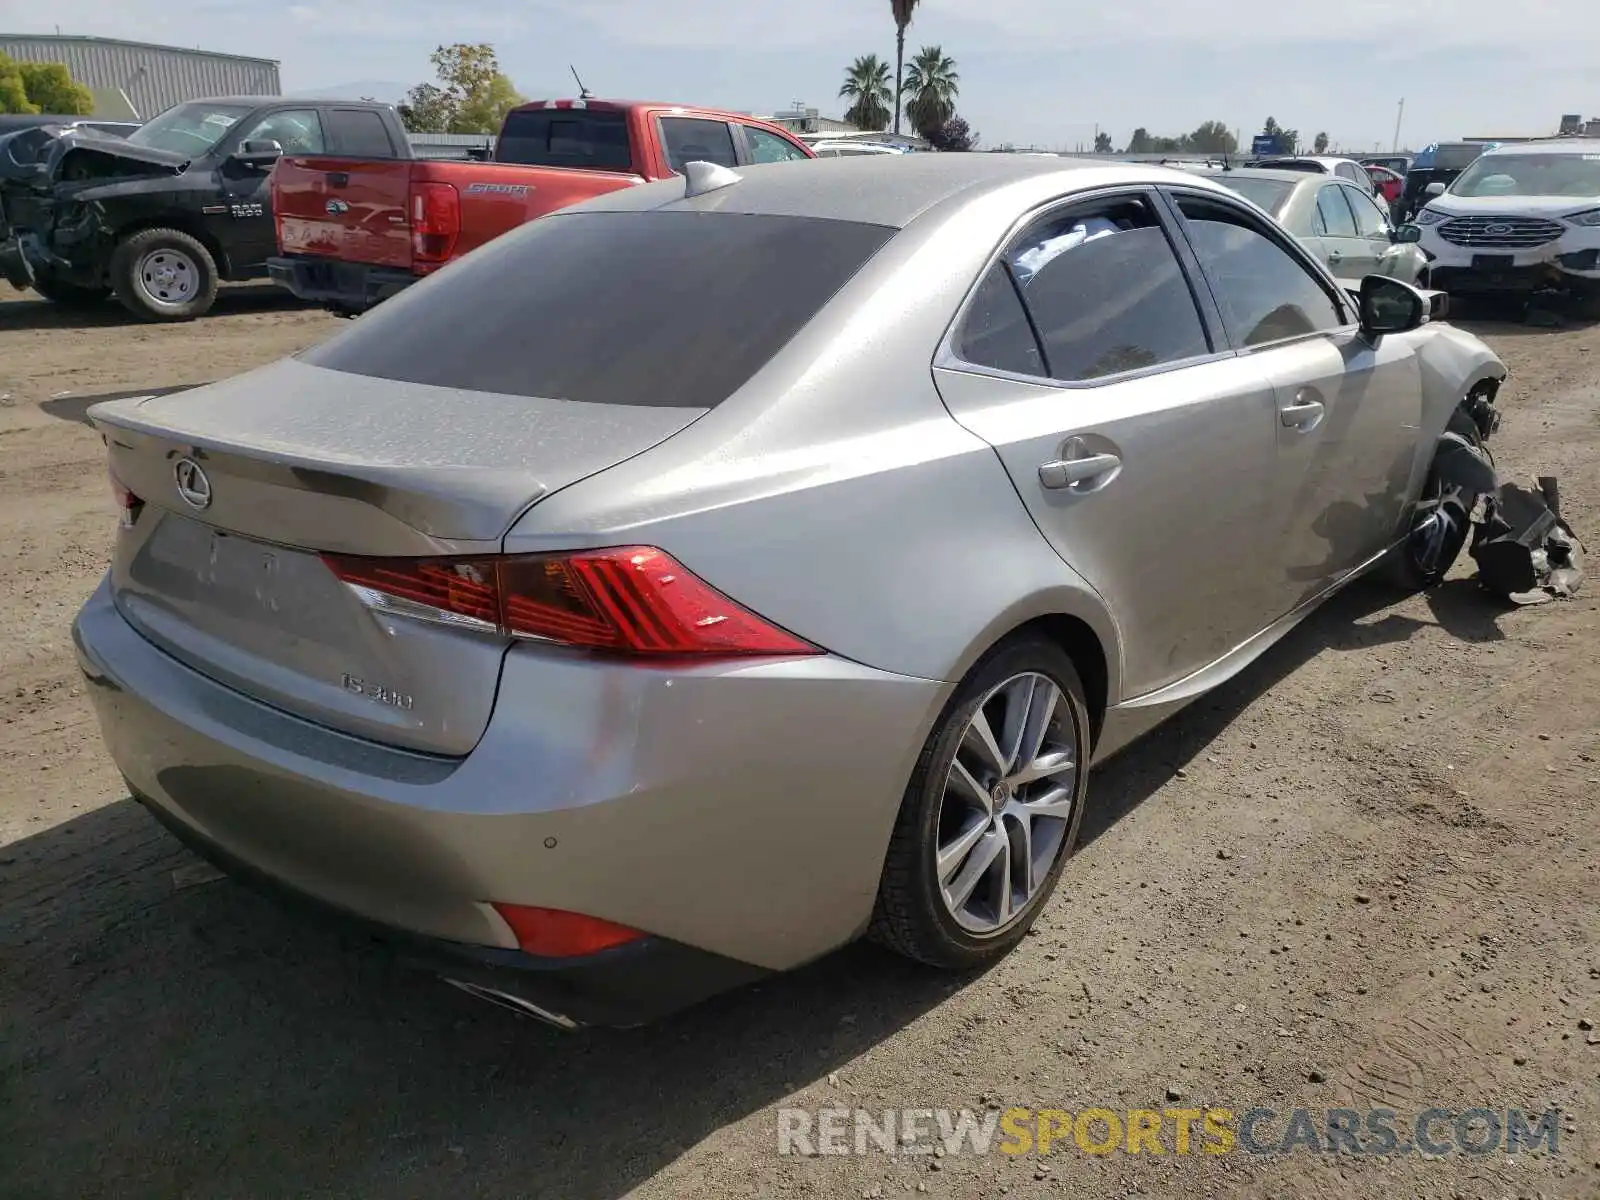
1397 119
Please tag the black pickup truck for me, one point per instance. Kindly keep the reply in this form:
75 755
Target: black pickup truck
162 216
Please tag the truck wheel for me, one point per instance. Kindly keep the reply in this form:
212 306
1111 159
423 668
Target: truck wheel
58 291
164 275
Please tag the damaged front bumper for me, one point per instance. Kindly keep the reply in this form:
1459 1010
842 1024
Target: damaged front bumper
72 246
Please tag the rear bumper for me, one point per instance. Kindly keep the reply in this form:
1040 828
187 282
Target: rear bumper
353 287
739 814
629 985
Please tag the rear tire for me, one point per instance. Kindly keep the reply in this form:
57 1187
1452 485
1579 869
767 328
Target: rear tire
69 295
164 275
1005 829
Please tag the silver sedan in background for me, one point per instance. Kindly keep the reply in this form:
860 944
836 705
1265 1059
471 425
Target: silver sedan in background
694 580
1338 222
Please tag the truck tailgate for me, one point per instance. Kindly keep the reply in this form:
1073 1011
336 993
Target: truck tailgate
352 209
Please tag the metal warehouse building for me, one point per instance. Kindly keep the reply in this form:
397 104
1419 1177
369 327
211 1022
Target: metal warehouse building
138 80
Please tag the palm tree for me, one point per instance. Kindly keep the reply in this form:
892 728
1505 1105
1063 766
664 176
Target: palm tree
933 85
902 17
866 83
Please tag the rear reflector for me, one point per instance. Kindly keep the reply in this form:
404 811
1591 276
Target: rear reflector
552 933
435 221
629 600
128 505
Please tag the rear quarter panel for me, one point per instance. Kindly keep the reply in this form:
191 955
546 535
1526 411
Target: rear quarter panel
497 197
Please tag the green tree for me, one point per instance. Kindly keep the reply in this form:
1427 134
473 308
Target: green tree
1139 143
933 85
13 93
1212 137
51 89
866 86
472 94
954 136
1102 143
902 18
1319 144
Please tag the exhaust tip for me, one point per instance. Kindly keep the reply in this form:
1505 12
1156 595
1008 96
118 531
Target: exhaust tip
516 1004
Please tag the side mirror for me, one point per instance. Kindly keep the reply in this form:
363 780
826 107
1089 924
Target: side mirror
1389 306
259 152
1433 189
1407 235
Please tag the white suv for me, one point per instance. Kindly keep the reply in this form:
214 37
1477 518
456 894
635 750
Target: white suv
1522 217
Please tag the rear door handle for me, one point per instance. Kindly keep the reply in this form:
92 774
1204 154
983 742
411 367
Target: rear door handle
1068 472
1302 414
1335 257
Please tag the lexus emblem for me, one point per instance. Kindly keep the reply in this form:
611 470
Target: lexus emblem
1498 227
335 207
194 489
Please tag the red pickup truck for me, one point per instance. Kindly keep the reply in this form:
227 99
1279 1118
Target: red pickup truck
354 231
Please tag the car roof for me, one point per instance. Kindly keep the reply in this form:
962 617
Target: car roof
880 189
1298 178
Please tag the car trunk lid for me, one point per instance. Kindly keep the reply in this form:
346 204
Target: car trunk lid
350 209
245 483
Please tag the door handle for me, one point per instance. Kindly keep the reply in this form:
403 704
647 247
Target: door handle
1302 414
1335 257
1069 472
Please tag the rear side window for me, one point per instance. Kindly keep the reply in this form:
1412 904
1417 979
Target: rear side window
996 332
359 133
668 309
566 137
692 139
1264 293
1106 292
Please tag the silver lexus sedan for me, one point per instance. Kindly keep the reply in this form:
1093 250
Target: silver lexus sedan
693 581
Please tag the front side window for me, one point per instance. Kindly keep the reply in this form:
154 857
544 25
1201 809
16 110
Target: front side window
1264 292
1370 221
297 130
769 147
693 139
1105 291
1337 219
665 309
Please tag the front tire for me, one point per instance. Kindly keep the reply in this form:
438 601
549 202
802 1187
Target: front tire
992 812
164 275
1439 528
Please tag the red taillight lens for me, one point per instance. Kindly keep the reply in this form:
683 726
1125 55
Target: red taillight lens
556 934
630 600
128 505
435 221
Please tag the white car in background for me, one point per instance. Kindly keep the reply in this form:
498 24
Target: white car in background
1523 217
844 148
1319 164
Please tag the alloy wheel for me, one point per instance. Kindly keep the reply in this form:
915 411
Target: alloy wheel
1008 803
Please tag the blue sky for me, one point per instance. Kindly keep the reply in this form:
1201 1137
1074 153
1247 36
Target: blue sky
1043 72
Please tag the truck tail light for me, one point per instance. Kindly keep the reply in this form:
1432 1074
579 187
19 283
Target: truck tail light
435 221
630 600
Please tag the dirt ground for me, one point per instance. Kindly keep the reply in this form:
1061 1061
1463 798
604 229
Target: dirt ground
1363 874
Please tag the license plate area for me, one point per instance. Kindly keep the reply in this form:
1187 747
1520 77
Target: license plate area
1492 262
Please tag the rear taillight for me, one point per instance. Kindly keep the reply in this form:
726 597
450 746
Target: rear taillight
435 221
628 600
552 933
128 505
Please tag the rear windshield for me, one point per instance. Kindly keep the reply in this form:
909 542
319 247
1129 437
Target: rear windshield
1267 194
566 137
670 309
